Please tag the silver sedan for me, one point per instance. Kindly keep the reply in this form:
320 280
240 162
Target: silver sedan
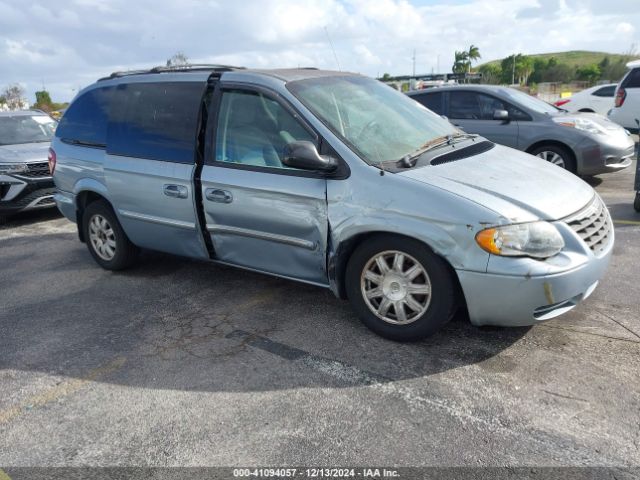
583 143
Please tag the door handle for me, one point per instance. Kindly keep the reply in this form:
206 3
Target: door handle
176 191
219 196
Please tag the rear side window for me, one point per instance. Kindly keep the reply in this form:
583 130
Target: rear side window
632 80
605 91
433 101
85 121
156 121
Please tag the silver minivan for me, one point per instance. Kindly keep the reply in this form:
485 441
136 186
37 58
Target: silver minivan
332 179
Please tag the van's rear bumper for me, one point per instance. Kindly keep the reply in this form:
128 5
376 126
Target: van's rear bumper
66 203
513 301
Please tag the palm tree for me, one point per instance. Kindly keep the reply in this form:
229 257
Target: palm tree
472 55
460 62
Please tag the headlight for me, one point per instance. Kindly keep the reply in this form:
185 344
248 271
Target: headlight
583 124
535 239
13 167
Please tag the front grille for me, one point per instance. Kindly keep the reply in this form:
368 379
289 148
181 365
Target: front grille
36 170
593 225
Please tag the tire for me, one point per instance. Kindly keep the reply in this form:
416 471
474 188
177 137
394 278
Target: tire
436 308
551 154
636 202
108 244
3 219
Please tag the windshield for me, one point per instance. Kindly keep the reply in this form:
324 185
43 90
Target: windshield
379 123
26 129
532 103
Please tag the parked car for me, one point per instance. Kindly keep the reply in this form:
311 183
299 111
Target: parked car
331 179
583 143
626 110
25 181
598 99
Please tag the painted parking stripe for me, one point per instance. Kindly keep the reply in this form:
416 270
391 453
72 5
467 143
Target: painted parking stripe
3 475
59 391
627 222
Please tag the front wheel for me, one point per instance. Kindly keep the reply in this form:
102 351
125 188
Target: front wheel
399 288
556 155
636 202
108 244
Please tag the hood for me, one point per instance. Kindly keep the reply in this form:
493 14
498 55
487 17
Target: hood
25 152
516 185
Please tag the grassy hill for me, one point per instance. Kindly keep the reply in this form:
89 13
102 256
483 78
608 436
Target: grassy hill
577 58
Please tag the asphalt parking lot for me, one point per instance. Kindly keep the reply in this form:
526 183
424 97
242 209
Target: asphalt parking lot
181 363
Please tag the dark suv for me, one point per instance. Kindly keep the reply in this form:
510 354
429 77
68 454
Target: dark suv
25 181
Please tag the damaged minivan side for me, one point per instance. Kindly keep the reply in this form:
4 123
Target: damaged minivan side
332 179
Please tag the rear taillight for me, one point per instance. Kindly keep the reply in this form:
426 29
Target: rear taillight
559 103
52 160
620 97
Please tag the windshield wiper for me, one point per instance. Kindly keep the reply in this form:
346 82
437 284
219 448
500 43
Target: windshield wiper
410 160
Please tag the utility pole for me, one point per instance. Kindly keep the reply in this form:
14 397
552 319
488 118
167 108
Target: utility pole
414 62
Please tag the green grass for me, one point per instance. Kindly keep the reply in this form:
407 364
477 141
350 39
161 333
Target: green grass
577 58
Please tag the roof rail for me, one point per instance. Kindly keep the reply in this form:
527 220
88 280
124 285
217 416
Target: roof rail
174 68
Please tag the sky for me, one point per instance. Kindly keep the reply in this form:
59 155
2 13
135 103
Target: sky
65 45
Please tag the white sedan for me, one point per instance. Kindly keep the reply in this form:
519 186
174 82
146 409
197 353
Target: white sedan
595 99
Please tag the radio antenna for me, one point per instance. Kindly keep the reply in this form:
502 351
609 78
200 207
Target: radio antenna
332 49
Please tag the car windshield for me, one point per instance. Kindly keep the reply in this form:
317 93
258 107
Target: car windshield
16 129
379 123
532 103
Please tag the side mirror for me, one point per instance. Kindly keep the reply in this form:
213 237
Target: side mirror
501 115
304 155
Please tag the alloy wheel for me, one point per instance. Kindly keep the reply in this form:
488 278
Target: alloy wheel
552 157
396 287
102 237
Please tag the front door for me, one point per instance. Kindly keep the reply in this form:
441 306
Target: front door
473 112
259 213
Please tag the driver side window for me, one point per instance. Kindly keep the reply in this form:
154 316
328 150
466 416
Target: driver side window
254 129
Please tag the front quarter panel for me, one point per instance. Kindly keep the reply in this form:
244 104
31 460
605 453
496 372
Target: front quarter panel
368 202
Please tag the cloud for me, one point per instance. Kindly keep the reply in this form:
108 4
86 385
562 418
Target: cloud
77 41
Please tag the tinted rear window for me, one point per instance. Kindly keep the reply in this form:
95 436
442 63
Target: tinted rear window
85 121
156 121
433 101
605 91
632 80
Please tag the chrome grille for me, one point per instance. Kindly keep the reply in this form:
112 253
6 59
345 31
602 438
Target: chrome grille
593 225
36 170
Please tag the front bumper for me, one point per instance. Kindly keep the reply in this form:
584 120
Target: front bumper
19 194
515 301
610 154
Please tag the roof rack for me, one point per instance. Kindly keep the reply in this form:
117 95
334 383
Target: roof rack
174 68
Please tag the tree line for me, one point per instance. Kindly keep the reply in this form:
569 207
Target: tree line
526 70
13 97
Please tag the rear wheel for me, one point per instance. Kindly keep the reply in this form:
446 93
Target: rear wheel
399 288
557 155
106 240
636 202
3 219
